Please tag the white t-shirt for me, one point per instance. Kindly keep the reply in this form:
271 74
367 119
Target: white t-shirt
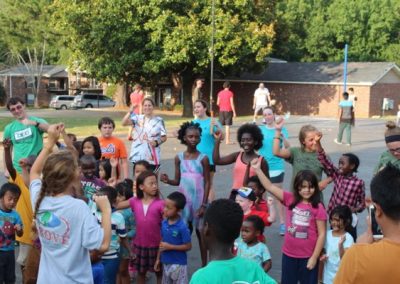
332 251
67 231
261 96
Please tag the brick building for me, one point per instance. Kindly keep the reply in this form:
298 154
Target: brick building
316 88
17 82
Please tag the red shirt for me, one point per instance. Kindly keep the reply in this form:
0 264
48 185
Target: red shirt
136 99
224 97
260 206
263 215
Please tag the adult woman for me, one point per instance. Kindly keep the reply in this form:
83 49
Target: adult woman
392 154
208 127
276 164
148 134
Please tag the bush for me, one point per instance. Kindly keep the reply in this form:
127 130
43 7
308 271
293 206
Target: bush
178 107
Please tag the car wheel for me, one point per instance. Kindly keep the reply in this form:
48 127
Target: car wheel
88 106
63 107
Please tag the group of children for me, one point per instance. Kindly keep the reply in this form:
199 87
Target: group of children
94 224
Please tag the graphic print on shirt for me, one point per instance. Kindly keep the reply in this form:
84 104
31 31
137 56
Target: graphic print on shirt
109 149
53 229
23 134
6 233
300 223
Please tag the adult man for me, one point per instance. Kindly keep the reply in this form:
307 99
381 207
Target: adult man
261 100
196 92
25 132
226 109
346 119
375 262
352 97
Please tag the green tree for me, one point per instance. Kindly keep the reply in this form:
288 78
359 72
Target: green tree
133 40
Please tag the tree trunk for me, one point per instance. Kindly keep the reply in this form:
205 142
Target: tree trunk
120 96
187 81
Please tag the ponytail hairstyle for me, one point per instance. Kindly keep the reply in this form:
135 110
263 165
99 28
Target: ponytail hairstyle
205 105
59 171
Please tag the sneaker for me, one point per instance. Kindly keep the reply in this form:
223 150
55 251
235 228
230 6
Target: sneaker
282 229
337 142
348 144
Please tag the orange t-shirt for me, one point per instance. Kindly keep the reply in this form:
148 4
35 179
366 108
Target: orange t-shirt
112 147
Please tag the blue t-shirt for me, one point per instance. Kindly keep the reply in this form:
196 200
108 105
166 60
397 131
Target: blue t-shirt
258 253
206 145
7 233
174 234
275 164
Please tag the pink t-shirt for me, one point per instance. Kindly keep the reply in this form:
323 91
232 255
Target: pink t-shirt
239 171
148 227
225 100
136 99
301 227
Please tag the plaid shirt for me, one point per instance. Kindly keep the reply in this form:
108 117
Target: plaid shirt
347 190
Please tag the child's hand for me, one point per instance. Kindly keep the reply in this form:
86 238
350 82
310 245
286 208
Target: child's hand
256 163
164 246
200 212
102 203
218 135
323 258
54 132
157 266
311 263
112 181
23 163
318 137
114 162
164 178
279 123
270 201
17 227
7 143
342 240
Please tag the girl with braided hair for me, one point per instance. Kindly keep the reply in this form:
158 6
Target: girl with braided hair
67 229
192 175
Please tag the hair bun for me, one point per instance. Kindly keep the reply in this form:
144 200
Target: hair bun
390 124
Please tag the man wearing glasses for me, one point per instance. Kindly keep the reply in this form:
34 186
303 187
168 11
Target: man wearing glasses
25 132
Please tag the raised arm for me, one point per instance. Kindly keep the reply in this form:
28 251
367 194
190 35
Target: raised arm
218 160
104 205
266 183
54 132
276 146
7 144
126 120
69 144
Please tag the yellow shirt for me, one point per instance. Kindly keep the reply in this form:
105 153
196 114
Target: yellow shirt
370 264
24 209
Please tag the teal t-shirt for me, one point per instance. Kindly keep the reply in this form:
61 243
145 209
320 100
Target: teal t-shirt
302 160
26 140
206 145
274 163
235 270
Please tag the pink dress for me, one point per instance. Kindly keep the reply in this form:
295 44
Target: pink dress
136 99
148 233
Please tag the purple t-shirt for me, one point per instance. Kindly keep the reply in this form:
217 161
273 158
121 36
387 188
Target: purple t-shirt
91 186
148 227
301 227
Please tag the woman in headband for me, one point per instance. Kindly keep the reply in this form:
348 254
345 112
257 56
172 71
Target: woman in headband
392 154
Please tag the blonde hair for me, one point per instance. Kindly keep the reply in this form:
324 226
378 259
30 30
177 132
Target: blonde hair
303 133
392 129
59 171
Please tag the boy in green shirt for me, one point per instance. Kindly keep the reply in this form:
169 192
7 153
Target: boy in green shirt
222 223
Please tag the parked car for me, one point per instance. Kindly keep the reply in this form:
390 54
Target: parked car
61 102
87 100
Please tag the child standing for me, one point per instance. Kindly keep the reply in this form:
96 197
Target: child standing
124 190
175 242
250 138
338 240
10 225
305 223
74 229
111 258
248 245
192 174
222 222
148 209
90 183
348 188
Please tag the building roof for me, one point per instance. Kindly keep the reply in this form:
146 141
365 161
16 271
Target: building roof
48 71
358 73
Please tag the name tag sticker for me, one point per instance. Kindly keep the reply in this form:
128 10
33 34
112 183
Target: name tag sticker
23 134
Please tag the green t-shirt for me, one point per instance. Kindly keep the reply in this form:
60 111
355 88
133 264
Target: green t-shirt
302 160
386 158
26 140
235 270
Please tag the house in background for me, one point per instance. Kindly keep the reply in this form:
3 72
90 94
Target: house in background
316 88
17 82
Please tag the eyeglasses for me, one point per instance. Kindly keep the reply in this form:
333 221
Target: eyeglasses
18 107
397 150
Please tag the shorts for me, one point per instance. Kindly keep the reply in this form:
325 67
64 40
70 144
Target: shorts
23 253
7 266
212 168
225 117
278 178
174 273
258 108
